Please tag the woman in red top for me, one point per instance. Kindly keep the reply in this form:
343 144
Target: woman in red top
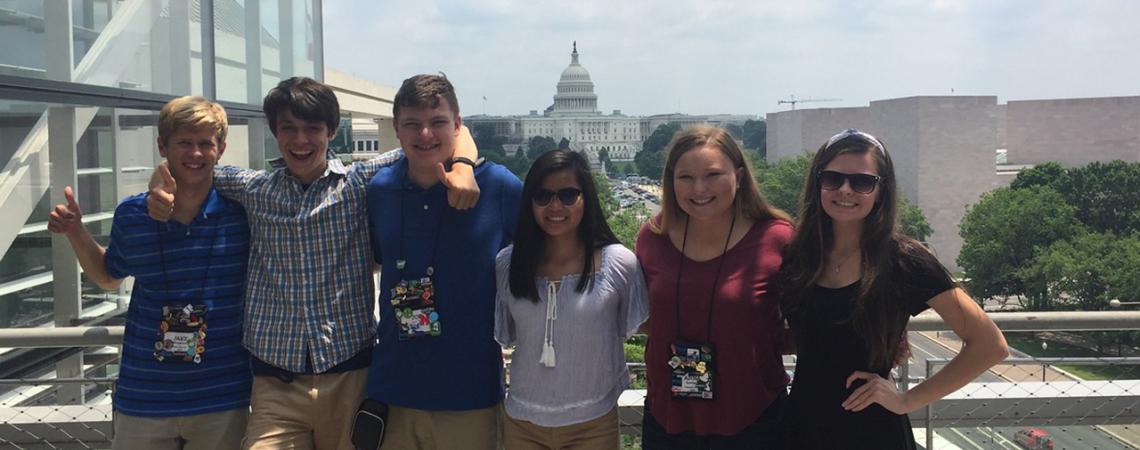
715 374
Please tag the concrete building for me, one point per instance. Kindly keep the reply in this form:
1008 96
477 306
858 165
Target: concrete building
368 105
948 151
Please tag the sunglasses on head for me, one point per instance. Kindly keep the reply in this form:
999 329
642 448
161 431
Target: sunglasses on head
568 196
853 132
862 183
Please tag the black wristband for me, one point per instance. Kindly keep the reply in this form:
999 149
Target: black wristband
461 160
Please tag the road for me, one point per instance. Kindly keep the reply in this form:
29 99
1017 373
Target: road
1076 437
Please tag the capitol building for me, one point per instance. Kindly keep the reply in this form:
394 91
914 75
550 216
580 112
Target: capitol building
574 116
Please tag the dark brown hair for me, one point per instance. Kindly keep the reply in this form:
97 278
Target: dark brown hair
879 316
306 98
425 90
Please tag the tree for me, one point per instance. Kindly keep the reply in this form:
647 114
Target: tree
519 165
539 145
912 222
1105 195
650 164
1001 234
624 222
1047 174
604 157
1086 271
782 182
736 131
486 139
756 137
660 138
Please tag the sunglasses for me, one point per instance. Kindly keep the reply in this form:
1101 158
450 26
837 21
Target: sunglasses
568 196
853 132
862 183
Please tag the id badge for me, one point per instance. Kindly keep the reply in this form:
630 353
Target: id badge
413 302
181 334
692 370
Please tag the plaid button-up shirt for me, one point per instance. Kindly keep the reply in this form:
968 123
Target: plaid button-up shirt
310 286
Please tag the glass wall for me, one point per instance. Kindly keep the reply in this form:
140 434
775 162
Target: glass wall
128 49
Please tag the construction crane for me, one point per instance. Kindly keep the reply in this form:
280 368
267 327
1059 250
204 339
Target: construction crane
792 100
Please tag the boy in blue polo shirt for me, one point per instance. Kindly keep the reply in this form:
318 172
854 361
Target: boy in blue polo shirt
437 364
178 388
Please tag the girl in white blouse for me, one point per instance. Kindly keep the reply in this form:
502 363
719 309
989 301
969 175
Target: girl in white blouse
568 296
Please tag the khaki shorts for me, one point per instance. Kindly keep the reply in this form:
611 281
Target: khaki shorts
311 412
415 429
219 430
600 433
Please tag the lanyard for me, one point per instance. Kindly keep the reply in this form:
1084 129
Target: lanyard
401 260
716 279
162 258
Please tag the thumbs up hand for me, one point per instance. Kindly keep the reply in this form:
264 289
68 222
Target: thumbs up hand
160 198
67 218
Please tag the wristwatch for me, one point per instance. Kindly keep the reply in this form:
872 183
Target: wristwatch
463 160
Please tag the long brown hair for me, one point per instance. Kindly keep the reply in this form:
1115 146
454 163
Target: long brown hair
749 203
879 316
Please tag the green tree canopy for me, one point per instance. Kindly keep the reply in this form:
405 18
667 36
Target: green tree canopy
1084 272
1002 232
756 136
912 222
650 164
1104 193
782 182
538 145
487 140
1047 174
660 138
519 164
604 157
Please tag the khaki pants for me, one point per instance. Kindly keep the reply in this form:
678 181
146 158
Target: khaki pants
415 429
311 412
600 433
218 430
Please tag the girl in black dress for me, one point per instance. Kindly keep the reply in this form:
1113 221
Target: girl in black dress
850 284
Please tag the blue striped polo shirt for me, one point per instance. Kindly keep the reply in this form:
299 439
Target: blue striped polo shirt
185 276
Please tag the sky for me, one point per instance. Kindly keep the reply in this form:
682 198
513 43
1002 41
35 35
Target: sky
739 56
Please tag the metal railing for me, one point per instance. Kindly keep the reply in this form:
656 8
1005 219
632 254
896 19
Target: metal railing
1021 393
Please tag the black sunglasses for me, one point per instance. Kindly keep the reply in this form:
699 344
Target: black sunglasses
860 182
568 196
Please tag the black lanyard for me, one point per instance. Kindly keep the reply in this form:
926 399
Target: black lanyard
716 279
162 257
401 260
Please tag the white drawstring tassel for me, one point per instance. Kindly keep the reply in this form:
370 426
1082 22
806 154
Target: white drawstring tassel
547 359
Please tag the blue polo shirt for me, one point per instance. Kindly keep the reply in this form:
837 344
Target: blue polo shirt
461 369
203 265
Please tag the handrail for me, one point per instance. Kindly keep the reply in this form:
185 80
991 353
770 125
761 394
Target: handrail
1007 321
1043 321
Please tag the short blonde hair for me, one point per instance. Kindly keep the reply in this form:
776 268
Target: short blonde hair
191 112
